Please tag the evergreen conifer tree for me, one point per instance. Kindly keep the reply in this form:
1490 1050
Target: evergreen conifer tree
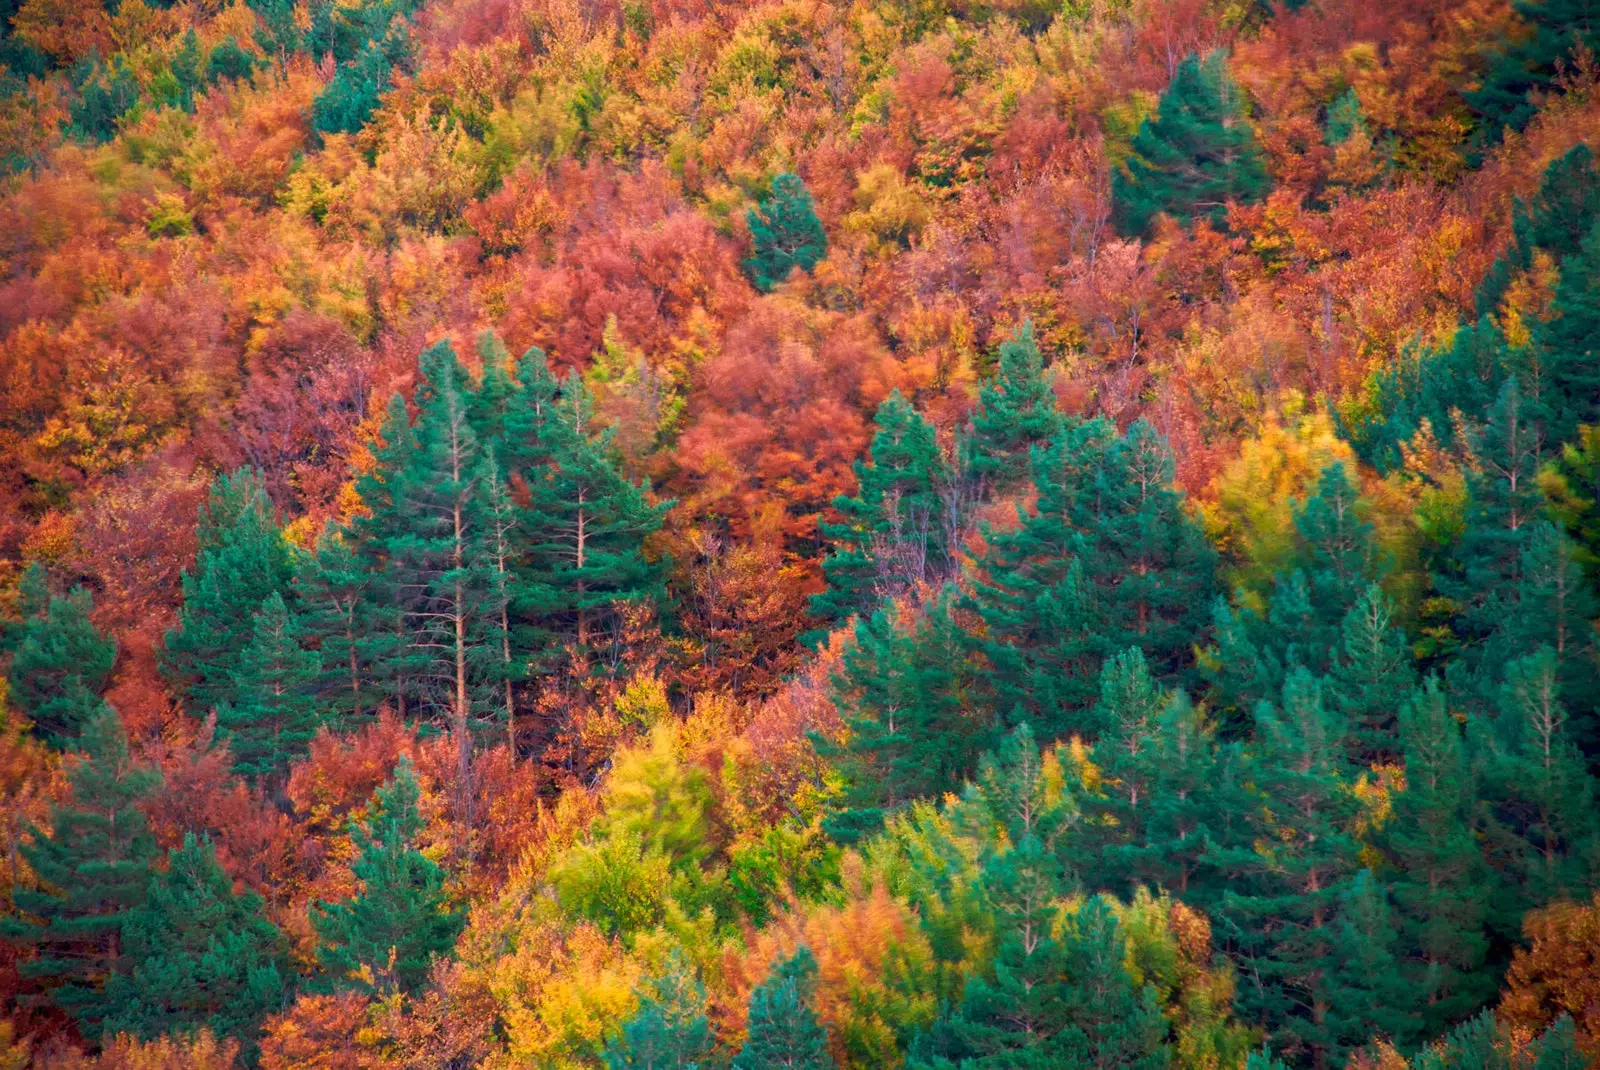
1045 1000
1566 342
387 936
1016 412
276 714
59 661
1291 858
1372 678
908 733
785 234
1440 886
892 534
669 1031
1572 487
196 955
1556 219
242 561
1503 506
335 592
1528 64
585 525
91 869
1543 836
1197 154
783 1030
1106 560
1368 995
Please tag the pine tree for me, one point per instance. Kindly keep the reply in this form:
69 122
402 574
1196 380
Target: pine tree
784 1033
1292 856
1542 836
1440 886
1044 1001
59 661
357 87
1553 608
1154 565
908 733
1556 219
785 234
1130 704
1107 559
277 713
1157 762
669 1031
1336 542
1572 487
335 588
1372 678
499 645
426 529
586 525
196 955
242 561
387 936
1503 503
1195 156
893 535
228 61
1528 64
1307 622
397 664
91 869
186 70
1566 343
1367 995
1016 412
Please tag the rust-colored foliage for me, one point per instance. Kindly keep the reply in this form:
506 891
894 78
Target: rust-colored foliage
1557 973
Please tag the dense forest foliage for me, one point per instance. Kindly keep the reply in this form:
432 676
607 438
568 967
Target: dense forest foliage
802 533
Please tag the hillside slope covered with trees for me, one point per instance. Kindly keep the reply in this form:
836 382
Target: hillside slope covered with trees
807 533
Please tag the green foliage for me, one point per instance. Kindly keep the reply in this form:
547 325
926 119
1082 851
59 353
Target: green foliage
1016 412
586 524
648 848
908 733
1289 857
1542 833
893 535
1570 381
1160 772
1371 677
357 87
242 562
785 234
1195 157
91 869
276 714
196 955
1441 888
784 1032
336 594
104 95
1107 559
228 61
1345 119
387 936
1527 65
1052 1001
59 661
669 1030
1572 488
